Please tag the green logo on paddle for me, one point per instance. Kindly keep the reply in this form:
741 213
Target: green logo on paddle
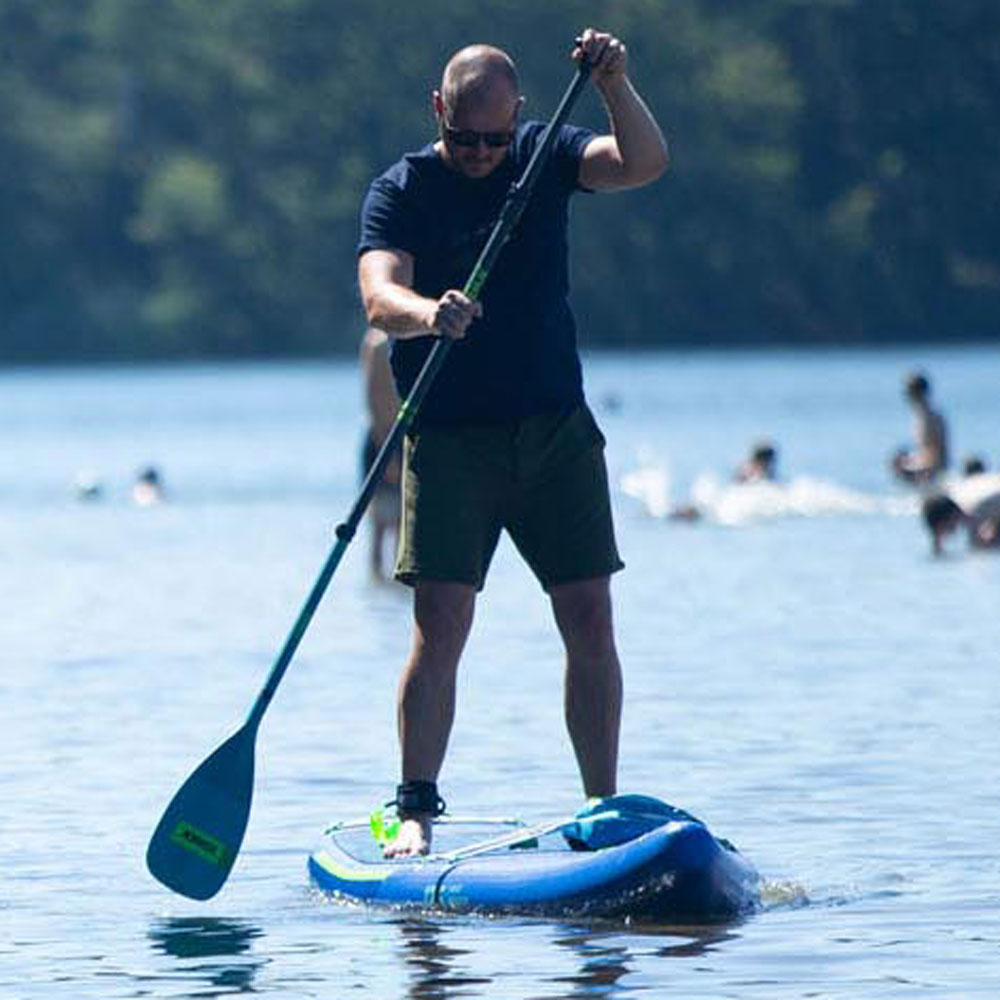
207 847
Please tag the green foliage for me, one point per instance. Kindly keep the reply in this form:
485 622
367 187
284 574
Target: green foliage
180 179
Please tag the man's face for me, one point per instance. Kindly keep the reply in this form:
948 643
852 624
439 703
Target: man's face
476 138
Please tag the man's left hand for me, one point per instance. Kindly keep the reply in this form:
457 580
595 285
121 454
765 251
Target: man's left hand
607 55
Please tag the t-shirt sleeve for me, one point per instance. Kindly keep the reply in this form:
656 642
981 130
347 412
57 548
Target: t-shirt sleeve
385 221
568 152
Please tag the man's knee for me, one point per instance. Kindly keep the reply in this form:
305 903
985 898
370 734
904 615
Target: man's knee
583 613
443 613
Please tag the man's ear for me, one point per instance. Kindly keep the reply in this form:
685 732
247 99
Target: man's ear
437 103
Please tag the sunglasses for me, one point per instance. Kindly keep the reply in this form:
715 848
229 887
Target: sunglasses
468 138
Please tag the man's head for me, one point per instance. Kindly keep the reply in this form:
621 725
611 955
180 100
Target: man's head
765 456
476 109
917 387
942 516
974 465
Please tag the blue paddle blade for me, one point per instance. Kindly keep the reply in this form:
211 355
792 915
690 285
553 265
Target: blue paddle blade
196 842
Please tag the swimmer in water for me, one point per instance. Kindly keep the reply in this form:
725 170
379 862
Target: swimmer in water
147 490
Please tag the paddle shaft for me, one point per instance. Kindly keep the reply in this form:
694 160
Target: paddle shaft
514 838
513 207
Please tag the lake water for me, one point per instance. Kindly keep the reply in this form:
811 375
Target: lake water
799 672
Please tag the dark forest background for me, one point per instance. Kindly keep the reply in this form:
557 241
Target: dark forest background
181 179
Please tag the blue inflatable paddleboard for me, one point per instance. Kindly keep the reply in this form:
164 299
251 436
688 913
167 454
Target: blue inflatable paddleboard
662 868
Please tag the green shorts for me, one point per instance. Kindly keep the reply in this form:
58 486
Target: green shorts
543 479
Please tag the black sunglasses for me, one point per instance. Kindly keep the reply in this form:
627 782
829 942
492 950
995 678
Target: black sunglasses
468 138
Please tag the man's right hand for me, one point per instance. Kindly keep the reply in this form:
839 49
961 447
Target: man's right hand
453 313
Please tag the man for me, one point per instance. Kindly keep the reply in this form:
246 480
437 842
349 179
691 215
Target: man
972 503
382 405
760 467
930 456
504 439
147 490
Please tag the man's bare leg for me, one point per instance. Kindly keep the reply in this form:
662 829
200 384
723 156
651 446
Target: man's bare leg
378 543
426 702
593 694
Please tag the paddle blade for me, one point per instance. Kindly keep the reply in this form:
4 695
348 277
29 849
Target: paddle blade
196 842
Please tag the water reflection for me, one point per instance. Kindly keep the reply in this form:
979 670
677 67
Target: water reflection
604 954
432 962
603 962
222 942
608 954
695 941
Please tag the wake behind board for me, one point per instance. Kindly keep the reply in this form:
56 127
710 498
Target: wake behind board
677 872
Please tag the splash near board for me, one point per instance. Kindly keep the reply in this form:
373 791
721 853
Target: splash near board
627 856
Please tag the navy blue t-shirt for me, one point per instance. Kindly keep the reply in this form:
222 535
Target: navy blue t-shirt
520 358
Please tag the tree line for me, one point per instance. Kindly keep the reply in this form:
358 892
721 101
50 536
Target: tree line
182 180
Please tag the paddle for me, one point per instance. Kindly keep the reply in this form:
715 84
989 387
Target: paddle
195 844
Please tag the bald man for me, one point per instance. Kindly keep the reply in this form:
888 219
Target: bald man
504 440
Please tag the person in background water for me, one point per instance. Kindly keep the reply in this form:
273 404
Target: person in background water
972 503
924 463
760 466
974 465
382 405
504 439
147 490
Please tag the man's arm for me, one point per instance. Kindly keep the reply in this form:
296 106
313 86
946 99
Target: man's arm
386 281
380 392
984 522
985 534
635 152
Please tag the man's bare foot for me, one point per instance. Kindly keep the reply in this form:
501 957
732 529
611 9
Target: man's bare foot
413 839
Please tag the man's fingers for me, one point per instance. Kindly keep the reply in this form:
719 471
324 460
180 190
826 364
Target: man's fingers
614 53
592 44
603 50
455 313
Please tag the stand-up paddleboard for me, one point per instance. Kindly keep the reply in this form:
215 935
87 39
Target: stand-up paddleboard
668 869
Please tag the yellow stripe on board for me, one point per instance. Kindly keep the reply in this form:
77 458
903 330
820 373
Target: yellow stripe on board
328 864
